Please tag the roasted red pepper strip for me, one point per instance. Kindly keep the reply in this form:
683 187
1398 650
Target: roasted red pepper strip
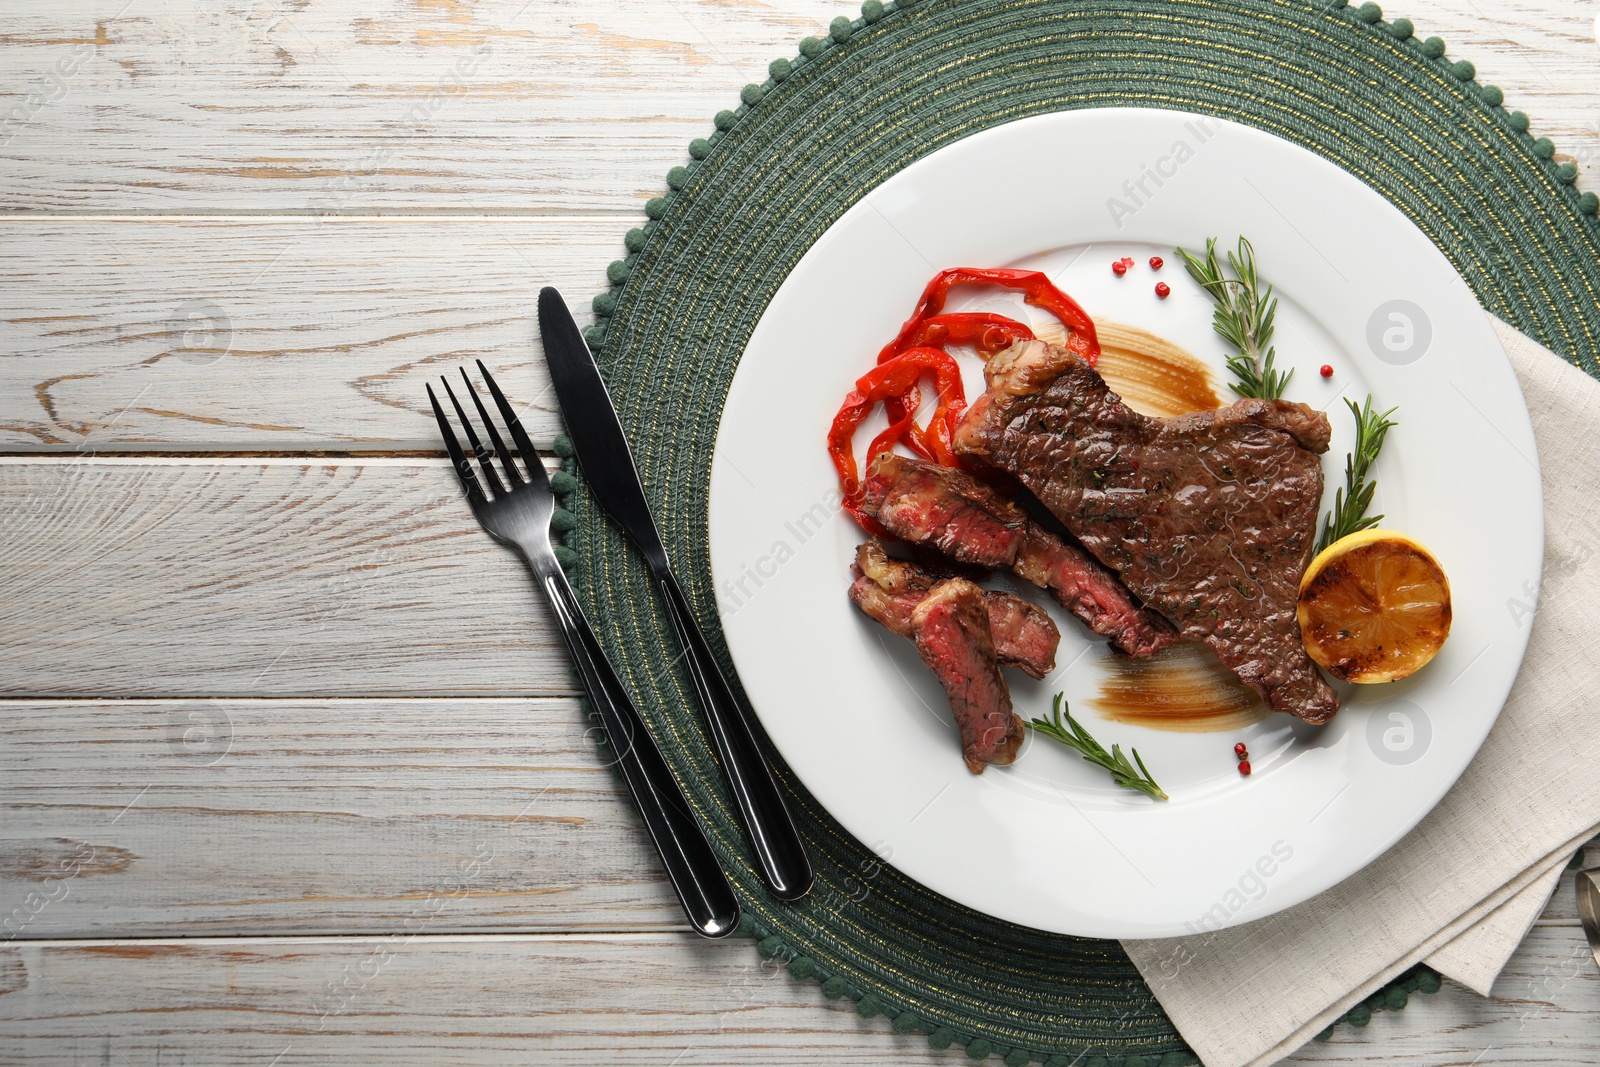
1037 290
938 436
841 451
901 374
894 379
987 332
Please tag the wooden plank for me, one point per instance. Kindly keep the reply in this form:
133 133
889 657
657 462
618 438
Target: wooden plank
275 335
656 999
319 106
313 107
260 578
134 818
143 817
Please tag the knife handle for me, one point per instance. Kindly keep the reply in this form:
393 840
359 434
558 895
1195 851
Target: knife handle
780 853
692 867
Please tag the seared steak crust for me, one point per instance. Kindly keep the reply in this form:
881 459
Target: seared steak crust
951 628
924 503
1209 517
889 590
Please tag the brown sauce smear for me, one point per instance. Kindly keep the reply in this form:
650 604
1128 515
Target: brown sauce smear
1180 688
1153 375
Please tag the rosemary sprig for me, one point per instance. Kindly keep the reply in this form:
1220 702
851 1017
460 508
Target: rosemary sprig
1074 736
1243 317
1350 504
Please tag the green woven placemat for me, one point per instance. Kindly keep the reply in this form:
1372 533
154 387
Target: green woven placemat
830 124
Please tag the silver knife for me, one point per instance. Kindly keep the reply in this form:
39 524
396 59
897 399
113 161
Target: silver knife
609 470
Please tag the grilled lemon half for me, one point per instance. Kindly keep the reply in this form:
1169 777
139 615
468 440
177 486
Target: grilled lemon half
1374 607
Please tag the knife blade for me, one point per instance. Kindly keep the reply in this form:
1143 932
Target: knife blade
593 425
608 468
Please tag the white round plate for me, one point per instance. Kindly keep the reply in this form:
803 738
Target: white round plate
1049 842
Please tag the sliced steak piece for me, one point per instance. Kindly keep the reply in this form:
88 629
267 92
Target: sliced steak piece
951 629
1208 518
1092 593
946 508
968 521
889 590
1024 636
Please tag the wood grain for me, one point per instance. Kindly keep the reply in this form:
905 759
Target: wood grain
133 818
635 999
340 815
275 335
315 106
321 106
261 578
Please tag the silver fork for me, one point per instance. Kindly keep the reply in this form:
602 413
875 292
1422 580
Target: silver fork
517 513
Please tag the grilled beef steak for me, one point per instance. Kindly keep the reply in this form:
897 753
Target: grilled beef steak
889 590
1208 517
968 521
951 629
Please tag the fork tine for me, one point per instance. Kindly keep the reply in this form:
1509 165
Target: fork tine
458 458
513 475
478 450
530 456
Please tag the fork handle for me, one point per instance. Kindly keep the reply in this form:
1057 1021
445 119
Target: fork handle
779 850
692 867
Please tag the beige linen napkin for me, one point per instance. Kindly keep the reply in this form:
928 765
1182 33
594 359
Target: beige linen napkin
1476 956
1463 887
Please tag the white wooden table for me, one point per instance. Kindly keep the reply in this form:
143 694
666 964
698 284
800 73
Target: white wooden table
292 768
